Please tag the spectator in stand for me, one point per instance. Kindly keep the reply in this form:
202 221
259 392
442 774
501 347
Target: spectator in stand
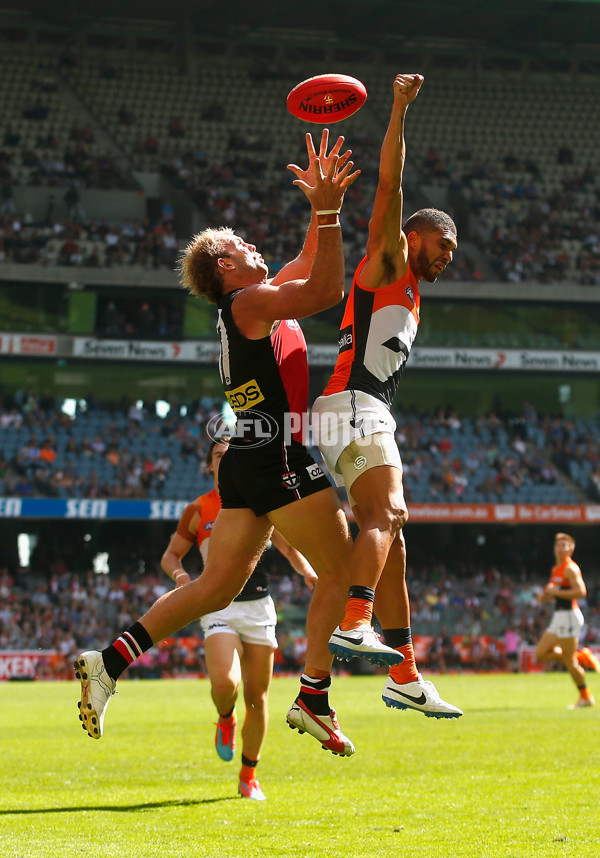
512 645
75 210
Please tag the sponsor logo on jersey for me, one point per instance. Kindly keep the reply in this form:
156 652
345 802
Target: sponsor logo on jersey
217 626
409 293
346 340
292 324
315 471
245 396
360 462
291 480
209 525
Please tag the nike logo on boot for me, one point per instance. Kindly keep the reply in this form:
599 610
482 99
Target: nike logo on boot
419 700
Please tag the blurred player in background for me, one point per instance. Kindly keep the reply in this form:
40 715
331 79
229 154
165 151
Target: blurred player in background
352 420
240 640
267 478
560 641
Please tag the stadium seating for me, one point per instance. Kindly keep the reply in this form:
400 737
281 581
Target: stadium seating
445 460
526 198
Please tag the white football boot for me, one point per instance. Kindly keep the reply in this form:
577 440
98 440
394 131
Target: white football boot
96 690
420 695
324 728
582 703
363 642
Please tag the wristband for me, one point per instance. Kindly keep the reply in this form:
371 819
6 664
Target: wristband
328 211
328 225
330 218
178 573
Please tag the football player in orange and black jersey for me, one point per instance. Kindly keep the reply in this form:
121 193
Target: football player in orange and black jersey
267 477
240 639
352 420
560 641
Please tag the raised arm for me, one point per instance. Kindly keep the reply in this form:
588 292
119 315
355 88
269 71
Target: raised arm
387 250
256 308
299 268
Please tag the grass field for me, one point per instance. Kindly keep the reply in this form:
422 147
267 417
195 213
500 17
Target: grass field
518 775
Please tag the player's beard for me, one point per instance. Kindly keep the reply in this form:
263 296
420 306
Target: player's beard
426 271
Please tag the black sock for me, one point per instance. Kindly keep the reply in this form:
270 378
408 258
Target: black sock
395 638
359 592
314 694
124 651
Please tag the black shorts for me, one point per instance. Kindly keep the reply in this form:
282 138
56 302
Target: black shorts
266 478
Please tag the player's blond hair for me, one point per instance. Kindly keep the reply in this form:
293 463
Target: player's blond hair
198 272
566 536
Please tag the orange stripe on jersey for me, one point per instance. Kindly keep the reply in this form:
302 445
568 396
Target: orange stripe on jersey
376 335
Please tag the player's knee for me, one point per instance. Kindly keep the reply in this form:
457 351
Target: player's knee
217 600
256 700
396 518
390 518
224 686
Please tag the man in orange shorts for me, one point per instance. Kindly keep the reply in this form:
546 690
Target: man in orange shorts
352 420
560 641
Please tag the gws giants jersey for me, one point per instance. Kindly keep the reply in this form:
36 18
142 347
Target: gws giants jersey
559 579
269 375
376 336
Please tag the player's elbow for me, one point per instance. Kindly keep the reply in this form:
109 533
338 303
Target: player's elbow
164 562
335 292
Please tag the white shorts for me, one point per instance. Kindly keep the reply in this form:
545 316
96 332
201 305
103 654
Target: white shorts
253 622
566 624
341 418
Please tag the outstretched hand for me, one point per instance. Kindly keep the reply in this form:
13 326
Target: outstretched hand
406 88
308 176
327 176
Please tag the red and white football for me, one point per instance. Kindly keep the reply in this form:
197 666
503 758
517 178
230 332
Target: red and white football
326 98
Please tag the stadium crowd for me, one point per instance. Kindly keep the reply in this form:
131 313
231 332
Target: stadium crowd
127 451
87 244
66 610
532 219
527 232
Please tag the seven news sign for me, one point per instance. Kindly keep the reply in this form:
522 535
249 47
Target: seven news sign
509 359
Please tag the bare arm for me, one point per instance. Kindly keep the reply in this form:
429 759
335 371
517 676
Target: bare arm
256 308
177 548
297 561
387 250
299 268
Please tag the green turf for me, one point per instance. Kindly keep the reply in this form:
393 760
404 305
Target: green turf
518 775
